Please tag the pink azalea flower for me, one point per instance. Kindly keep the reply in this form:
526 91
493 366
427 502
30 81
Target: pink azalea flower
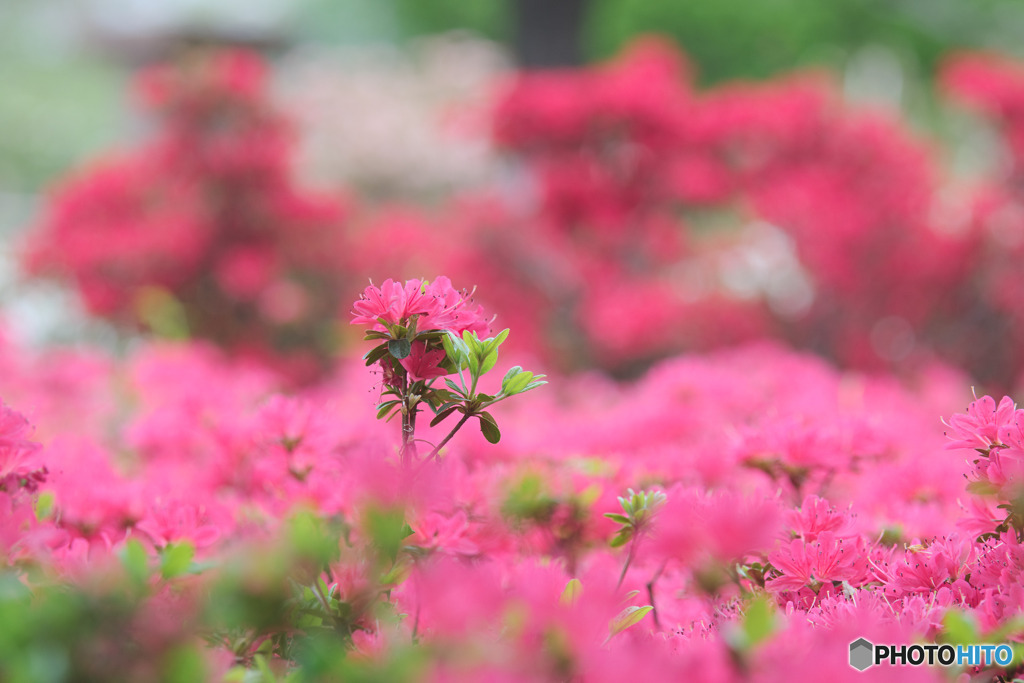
815 516
423 364
945 562
390 301
169 521
437 304
446 533
804 563
980 426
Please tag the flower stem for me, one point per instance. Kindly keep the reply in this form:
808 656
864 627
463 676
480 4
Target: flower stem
629 559
448 438
650 594
328 612
408 452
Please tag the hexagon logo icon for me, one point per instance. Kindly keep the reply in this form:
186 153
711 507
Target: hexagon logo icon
861 654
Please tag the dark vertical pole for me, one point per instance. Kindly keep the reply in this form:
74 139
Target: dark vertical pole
549 33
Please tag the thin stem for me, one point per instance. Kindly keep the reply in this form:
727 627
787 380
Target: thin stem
629 559
650 594
408 452
407 429
406 433
448 438
323 600
409 410
416 621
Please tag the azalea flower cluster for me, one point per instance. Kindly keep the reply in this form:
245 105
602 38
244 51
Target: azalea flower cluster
739 516
429 330
200 229
997 472
648 182
642 217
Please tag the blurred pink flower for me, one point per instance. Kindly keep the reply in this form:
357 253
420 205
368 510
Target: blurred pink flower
980 426
17 468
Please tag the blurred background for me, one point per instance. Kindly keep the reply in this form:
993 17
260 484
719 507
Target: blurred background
388 99
65 64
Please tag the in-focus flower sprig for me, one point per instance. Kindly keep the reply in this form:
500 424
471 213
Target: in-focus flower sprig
425 331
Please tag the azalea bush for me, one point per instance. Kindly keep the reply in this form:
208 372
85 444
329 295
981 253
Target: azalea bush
747 210
190 512
201 228
641 217
743 515
649 217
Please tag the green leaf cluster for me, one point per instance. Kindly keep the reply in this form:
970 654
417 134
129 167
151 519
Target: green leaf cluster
637 509
463 354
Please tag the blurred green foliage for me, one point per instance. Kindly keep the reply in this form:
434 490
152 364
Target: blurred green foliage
742 39
736 38
487 17
53 114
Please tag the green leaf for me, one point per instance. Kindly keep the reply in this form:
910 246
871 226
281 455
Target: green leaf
616 517
184 665
1008 628
441 416
445 405
454 387
961 628
626 618
236 674
399 348
135 560
162 313
44 505
512 372
456 350
489 428
500 338
489 361
758 621
982 488
449 348
386 407
176 559
397 574
573 591
443 396
518 383
387 528
264 668
622 538
376 354
314 537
